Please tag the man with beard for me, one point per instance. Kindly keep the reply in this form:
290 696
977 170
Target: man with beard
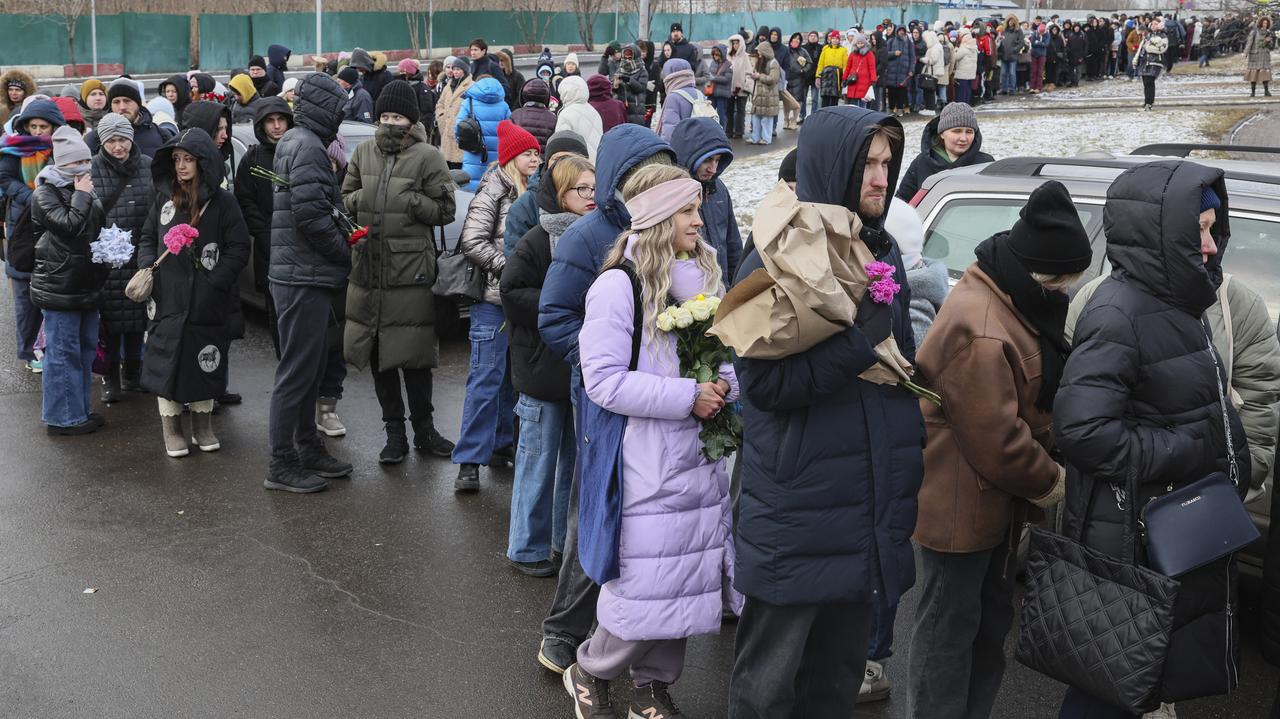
681 48
813 459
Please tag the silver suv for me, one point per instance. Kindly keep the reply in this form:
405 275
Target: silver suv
965 206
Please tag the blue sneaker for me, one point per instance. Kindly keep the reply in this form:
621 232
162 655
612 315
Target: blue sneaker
36 366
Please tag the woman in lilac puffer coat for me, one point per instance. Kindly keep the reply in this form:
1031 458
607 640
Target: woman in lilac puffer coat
675 539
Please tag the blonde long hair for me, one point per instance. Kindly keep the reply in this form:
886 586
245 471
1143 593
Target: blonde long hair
518 180
654 250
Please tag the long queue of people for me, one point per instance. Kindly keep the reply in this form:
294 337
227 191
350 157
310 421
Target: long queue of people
1028 416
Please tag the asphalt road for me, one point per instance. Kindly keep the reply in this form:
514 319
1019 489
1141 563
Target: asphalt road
385 596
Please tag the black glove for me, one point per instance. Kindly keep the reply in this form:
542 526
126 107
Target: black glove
874 320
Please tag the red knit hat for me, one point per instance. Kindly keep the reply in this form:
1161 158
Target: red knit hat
513 140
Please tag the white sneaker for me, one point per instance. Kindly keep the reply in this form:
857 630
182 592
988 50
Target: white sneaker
875 685
1165 711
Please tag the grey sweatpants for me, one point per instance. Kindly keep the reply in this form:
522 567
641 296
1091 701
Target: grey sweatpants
658 660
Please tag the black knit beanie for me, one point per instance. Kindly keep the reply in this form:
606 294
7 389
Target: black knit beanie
123 88
398 97
257 61
1049 238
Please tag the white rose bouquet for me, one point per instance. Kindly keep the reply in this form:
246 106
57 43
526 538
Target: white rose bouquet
700 356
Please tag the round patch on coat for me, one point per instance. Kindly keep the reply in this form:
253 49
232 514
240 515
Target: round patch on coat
167 212
151 308
209 358
209 256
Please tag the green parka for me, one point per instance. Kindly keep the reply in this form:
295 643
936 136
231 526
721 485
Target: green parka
398 186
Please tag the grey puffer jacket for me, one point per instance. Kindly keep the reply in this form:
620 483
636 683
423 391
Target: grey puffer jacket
119 313
483 229
308 248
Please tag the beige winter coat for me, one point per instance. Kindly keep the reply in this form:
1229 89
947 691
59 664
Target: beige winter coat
447 108
765 101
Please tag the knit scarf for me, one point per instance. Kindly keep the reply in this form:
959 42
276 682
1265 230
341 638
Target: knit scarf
555 223
34 150
1044 310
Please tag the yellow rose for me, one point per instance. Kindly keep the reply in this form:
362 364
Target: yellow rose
700 297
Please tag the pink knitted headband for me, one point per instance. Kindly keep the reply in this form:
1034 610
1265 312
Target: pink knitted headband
661 201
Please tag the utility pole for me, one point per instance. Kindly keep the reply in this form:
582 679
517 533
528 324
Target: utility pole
319 14
93 32
643 32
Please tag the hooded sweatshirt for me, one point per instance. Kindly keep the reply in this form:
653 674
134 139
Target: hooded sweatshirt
612 112
246 106
741 63
694 141
182 86
278 63
205 115
856 472
256 194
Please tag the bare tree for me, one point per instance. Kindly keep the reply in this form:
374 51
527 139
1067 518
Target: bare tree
64 13
533 19
586 11
415 23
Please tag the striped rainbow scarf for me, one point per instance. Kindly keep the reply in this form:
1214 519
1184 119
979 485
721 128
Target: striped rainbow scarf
34 151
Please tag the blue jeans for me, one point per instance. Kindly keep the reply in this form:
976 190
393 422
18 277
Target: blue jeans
762 128
486 411
1009 75
26 318
815 100
71 343
942 95
544 473
883 616
721 104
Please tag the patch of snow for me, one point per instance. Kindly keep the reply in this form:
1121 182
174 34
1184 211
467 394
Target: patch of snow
1061 134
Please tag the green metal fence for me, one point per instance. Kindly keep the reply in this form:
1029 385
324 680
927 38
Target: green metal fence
159 43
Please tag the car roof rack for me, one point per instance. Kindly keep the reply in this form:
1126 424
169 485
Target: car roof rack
1034 166
1183 149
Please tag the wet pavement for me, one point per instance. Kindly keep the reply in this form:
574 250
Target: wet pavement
385 596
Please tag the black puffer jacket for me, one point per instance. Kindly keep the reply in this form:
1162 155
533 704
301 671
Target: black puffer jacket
307 246
928 163
825 449
533 115
120 314
256 195
191 309
1139 400
64 277
535 369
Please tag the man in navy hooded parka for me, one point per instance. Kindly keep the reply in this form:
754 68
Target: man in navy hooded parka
574 266
830 465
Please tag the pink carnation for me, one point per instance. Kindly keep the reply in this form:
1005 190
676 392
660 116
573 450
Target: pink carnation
879 269
179 236
884 289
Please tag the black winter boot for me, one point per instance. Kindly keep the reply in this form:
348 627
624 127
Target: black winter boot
397 444
315 459
427 439
131 376
285 474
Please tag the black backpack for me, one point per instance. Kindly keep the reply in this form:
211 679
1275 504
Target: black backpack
470 136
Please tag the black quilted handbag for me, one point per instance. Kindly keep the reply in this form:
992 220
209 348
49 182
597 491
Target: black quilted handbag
1094 622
